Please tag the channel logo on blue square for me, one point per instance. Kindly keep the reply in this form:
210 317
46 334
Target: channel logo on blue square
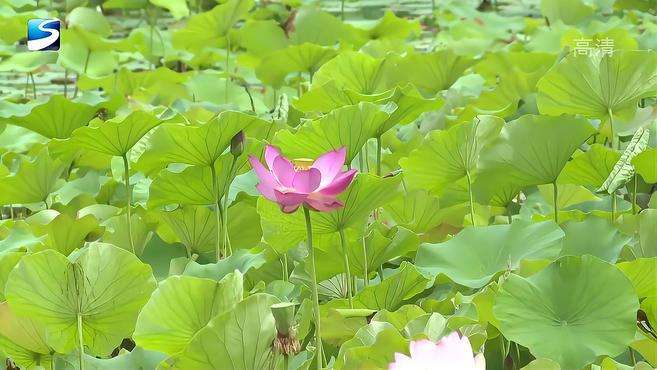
43 34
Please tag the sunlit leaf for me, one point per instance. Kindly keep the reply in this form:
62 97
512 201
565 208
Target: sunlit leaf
103 286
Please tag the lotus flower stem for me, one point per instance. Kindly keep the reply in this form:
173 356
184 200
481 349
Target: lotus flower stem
27 85
313 275
345 257
80 342
217 211
613 207
34 91
555 194
378 155
634 205
227 66
472 211
65 82
126 176
342 10
632 357
366 280
611 127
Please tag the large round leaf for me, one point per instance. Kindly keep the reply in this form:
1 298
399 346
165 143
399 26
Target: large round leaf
23 339
594 236
116 136
33 182
351 126
197 145
449 155
476 254
181 306
295 58
596 85
239 339
103 285
533 150
576 309
56 118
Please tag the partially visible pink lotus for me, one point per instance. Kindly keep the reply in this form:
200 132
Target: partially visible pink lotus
452 352
316 185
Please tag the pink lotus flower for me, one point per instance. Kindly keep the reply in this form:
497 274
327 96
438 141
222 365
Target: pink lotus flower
452 352
316 185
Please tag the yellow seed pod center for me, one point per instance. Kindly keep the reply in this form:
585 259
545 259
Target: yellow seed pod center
302 163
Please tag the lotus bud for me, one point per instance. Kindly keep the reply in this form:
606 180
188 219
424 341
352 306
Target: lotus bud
237 144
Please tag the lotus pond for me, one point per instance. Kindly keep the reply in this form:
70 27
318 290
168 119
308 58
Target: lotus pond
348 185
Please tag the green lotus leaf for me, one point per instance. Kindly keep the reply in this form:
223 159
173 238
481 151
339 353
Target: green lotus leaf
645 164
181 306
364 195
372 347
594 236
391 26
368 192
56 118
401 317
66 234
378 246
26 62
33 182
18 236
405 283
381 245
101 289
191 186
447 156
116 232
357 72
647 233
177 8
90 20
474 256
430 72
197 145
432 326
295 58
137 358
117 136
126 82
87 53
596 86
351 126
532 150
542 364
23 339
193 226
416 210
569 12
241 260
641 273
125 4
312 25
623 169
330 96
590 168
8 260
209 27
495 188
576 309
262 37
240 338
